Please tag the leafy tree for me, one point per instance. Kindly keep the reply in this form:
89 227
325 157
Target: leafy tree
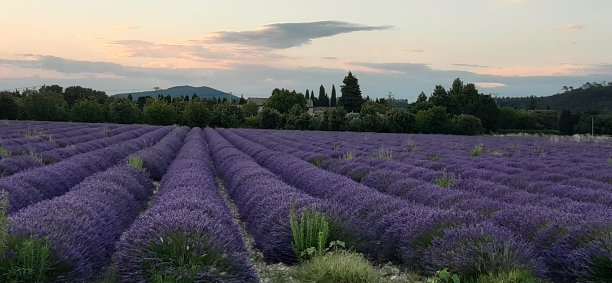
51 88
464 124
567 121
73 93
351 98
481 106
226 115
89 110
130 97
422 97
282 100
336 119
433 120
242 101
158 112
297 119
142 100
323 98
9 109
307 95
372 108
123 111
400 120
197 114
333 101
46 106
250 109
270 119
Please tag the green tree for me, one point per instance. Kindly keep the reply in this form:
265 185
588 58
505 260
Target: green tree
270 119
323 98
351 98
46 106
159 112
307 95
250 109
9 109
197 114
242 101
297 119
465 124
336 119
88 110
123 111
282 100
567 121
226 115
400 120
333 101
433 120
73 93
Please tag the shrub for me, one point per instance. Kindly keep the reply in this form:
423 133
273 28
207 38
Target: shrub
477 151
445 181
466 125
513 276
341 266
310 233
30 260
180 257
4 152
136 162
4 223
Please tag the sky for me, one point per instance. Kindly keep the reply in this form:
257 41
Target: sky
402 47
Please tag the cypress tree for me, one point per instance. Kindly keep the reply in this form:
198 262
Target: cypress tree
351 98
333 102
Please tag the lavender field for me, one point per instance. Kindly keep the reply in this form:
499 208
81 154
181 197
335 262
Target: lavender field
179 204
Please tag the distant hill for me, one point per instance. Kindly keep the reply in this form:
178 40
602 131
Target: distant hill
178 91
587 98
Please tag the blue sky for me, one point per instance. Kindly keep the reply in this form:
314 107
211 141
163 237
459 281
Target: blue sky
505 47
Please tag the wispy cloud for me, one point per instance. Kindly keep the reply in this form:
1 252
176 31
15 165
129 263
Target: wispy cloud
471 65
287 35
571 27
489 85
416 50
406 80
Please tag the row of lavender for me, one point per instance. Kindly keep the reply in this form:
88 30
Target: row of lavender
187 232
69 146
84 224
384 227
567 233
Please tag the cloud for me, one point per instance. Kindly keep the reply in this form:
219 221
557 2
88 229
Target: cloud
406 80
329 58
489 85
571 27
416 50
471 65
287 35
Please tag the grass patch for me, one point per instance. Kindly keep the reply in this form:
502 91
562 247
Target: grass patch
4 152
310 233
444 276
477 150
348 155
513 276
317 161
383 153
27 259
411 145
340 266
446 180
4 223
433 157
180 257
136 162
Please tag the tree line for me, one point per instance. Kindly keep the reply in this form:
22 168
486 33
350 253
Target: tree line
459 110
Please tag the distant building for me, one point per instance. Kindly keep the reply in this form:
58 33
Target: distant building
315 110
259 101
